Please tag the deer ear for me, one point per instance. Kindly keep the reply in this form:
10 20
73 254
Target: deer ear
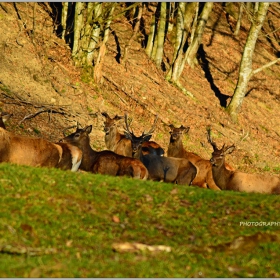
88 129
147 138
5 116
171 126
104 114
127 135
186 129
229 150
117 118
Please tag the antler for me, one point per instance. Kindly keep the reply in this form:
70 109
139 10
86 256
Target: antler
126 127
152 129
105 114
208 129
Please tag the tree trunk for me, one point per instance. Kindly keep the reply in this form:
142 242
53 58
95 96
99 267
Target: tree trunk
95 31
184 20
245 71
64 15
77 30
238 23
99 62
151 37
194 46
160 35
135 30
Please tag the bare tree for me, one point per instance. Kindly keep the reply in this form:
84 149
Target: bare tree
246 71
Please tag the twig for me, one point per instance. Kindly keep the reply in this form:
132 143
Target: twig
9 249
33 115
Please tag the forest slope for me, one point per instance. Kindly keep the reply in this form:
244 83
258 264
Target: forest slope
37 74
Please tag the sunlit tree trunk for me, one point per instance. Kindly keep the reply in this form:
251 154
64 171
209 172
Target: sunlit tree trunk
186 13
238 23
95 16
135 30
78 24
151 37
64 15
194 46
160 35
102 50
245 71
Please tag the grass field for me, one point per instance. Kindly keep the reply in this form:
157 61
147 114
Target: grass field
61 224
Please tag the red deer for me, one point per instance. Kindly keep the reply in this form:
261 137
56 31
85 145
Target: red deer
236 180
104 162
175 170
203 178
118 143
36 151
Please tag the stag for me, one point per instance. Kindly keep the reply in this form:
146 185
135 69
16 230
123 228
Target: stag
104 162
36 152
167 169
203 178
118 143
235 180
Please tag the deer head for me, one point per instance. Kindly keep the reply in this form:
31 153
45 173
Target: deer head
110 123
136 142
176 133
218 155
80 136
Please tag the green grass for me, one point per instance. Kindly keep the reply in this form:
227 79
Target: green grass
81 215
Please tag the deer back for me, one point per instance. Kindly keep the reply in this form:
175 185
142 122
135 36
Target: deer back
175 170
203 178
236 180
30 151
104 162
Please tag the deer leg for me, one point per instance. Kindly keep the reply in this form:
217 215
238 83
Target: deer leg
186 176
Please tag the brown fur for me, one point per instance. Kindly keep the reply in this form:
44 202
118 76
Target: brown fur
36 151
239 181
203 178
175 170
119 144
105 162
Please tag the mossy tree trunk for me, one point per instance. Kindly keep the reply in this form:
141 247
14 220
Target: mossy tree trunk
245 72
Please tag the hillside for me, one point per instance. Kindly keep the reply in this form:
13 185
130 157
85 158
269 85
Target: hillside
38 76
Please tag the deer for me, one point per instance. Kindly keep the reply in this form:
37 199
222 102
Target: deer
36 152
168 169
118 143
203 178
235 180
104 162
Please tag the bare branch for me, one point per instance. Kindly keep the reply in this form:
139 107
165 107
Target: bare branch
265 66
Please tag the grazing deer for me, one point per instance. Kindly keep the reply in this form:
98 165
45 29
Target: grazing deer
175 170
119 144
204 176
36 151
104 162
236 180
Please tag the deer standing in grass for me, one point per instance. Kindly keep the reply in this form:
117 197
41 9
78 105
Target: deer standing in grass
236 180
167 169
36 152
104 162
118 143
204 176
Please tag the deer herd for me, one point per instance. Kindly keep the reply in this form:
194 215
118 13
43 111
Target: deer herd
134 156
